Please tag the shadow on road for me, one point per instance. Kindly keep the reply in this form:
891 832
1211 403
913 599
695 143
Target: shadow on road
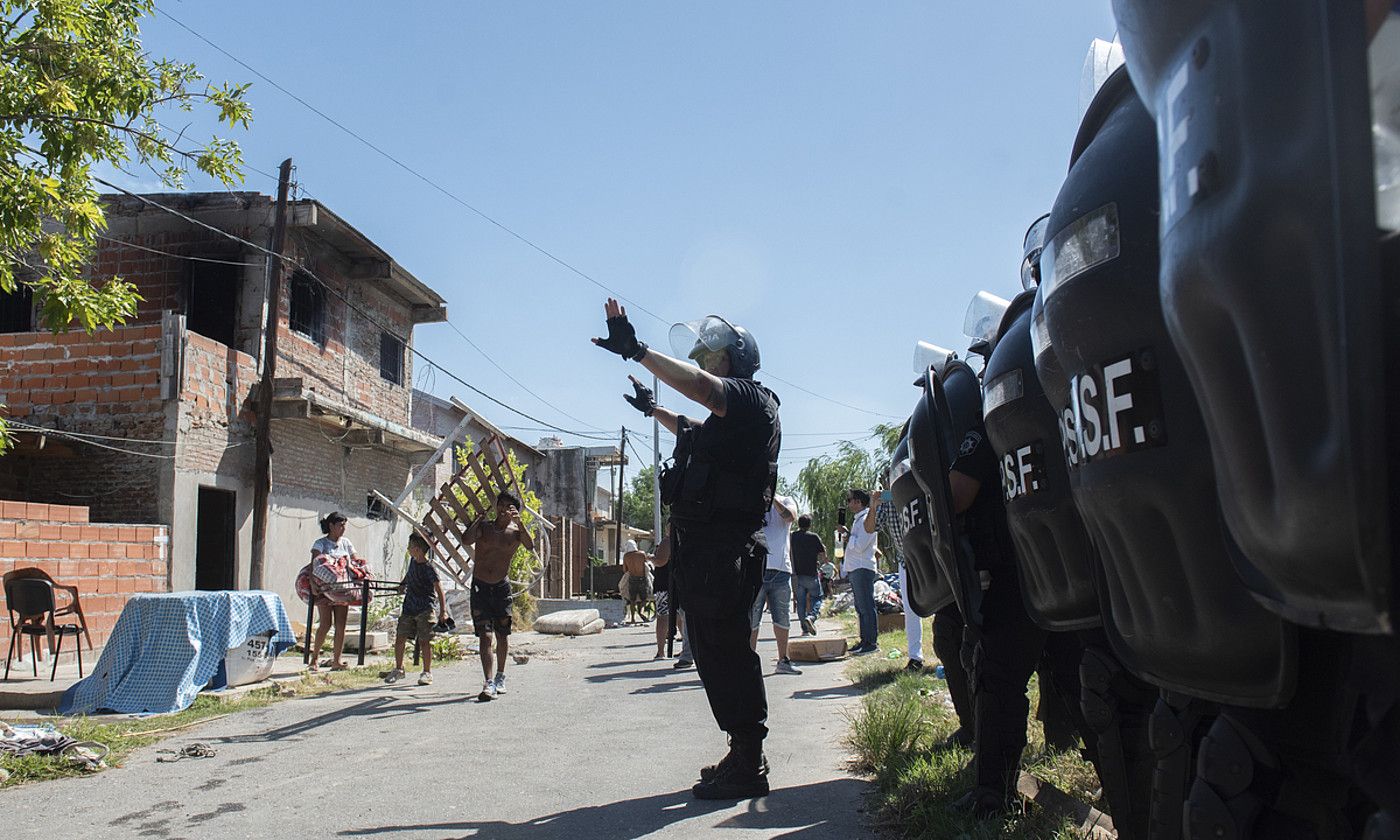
800 810
829 693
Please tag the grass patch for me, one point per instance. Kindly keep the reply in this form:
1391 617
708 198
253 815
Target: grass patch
895 737
126 735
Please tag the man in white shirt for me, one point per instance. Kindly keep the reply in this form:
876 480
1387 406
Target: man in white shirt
859 566
777 579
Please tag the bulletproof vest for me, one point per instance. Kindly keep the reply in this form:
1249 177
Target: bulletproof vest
1132 435
950 407
1270 287
722 471
1055 558
929 591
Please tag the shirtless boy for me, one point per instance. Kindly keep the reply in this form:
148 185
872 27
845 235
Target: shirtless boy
636 587
493 545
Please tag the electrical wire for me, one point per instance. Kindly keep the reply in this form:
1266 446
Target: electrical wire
335 292
172 254
410 170
487 217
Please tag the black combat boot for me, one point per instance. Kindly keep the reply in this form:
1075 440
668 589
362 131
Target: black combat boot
741 774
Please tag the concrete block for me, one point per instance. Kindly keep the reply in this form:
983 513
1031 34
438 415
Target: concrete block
374 639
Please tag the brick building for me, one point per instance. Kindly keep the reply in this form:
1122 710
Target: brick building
152 422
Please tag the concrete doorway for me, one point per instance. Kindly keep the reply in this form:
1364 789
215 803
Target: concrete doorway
216 548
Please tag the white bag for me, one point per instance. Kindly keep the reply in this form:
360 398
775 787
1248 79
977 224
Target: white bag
251 661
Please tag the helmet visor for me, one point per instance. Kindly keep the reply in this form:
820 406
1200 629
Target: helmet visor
1035 241
696 339
930 356
984 316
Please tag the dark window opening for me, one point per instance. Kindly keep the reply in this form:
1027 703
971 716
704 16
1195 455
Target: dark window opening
391 358
308 308
211 301
17 310
374 508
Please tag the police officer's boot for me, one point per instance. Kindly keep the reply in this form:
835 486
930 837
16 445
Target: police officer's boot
742 774
708 772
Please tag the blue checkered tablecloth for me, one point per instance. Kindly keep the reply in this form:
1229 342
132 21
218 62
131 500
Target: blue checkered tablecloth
166 648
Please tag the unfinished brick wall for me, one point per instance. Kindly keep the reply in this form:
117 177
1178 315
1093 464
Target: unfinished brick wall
107 383
216 410
163 281
309 464
107 562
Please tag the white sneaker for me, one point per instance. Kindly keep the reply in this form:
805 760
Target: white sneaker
500 682
785 666
425 678
394 676
488 691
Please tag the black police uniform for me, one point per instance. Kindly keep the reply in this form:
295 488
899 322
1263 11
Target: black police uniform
1007 645
723 482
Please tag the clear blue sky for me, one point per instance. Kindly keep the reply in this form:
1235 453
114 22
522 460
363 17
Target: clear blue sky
841 178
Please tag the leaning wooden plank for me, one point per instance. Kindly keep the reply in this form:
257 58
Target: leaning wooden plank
440 553
468 496
448 521
490 492
445 544
465 515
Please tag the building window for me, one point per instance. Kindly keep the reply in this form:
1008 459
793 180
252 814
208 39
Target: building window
17 309
308 308
375 509
391 358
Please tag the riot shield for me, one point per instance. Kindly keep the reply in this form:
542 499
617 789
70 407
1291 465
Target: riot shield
936 428
1135 444
1054 556
1270 285
929 591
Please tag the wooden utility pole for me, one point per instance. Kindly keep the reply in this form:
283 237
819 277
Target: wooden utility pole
621 468
262 476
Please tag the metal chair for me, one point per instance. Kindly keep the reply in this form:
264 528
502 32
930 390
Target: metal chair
30 598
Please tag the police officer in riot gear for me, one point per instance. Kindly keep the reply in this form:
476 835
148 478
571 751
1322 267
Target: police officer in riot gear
719 488
1057 563
1282 303
1140 463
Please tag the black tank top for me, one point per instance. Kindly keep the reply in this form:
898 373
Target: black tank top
661 578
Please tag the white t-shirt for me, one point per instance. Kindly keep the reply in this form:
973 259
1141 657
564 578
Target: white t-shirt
775 532
337 548
860 546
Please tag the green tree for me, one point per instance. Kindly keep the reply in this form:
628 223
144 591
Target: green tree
77 89
641 496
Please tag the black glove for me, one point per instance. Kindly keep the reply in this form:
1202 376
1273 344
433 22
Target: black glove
645 400
622 339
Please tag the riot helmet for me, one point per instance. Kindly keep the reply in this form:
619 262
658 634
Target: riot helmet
702 339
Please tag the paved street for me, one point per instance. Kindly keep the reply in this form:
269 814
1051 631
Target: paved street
592 740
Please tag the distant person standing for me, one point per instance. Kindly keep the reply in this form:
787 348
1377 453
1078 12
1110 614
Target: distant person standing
636 589
661 577
859 567
332 561
808 554
420 583
777 580
887 518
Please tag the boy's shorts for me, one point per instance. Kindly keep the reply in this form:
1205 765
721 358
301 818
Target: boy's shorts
418 627
491 608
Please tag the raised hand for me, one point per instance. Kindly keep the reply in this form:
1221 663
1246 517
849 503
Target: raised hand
622 338
645 399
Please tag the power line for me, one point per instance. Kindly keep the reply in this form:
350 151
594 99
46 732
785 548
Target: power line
464 203
172 254
410 170
522 385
